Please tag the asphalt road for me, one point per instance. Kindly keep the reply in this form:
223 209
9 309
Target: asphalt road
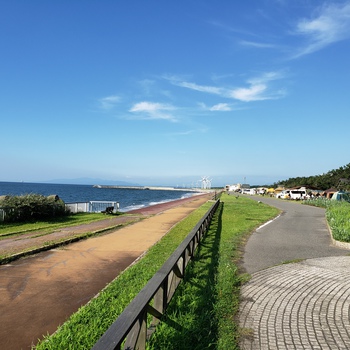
300 232
299 305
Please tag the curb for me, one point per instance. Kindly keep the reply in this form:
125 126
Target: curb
336 243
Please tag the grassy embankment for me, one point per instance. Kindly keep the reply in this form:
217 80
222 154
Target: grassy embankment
20 228
337 215
203 309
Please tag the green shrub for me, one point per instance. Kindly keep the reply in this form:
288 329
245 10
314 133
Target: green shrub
338 218
31 207
337 215
321 202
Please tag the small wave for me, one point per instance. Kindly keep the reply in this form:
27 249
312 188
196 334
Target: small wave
190 194
131 207
168 200
150 204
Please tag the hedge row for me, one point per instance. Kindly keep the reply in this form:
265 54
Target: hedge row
31 207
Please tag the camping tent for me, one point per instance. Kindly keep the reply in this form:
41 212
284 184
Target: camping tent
341 196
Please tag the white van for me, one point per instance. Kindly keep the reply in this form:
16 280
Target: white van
250 191
297 194
292 194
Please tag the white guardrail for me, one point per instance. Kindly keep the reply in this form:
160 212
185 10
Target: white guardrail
93 207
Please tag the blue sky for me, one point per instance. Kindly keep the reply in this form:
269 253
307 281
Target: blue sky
165 92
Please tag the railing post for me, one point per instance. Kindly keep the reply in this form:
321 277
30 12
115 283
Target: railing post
138 334
160 301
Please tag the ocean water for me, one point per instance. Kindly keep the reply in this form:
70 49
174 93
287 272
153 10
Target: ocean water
128 199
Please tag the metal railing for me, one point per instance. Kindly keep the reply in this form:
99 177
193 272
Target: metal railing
92 206
132 326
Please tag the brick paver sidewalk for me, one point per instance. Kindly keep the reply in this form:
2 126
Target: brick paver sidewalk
302 305
299 293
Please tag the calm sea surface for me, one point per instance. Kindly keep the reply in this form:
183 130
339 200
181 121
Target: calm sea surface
128 199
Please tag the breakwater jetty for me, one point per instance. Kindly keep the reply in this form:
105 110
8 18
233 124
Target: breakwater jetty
150 188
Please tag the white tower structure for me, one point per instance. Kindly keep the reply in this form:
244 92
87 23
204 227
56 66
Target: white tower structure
206 182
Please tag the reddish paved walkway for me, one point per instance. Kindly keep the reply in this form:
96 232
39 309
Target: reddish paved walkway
40 292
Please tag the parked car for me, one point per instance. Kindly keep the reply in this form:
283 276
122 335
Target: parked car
283 194
250 191
292 194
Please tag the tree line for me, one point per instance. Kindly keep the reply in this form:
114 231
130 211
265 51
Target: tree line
336 178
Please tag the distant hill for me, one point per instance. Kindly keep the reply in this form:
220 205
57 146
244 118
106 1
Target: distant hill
337 178
91 181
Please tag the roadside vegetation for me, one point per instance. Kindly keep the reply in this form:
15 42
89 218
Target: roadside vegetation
337 215
202 312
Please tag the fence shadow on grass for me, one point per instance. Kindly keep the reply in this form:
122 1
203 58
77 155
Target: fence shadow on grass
190 321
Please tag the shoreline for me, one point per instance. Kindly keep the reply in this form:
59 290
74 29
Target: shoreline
160 207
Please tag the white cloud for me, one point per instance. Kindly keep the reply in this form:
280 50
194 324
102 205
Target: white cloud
257 90
183 133
201 88
253 93
332 24
266 77
257 45
224 107
152 110
109 102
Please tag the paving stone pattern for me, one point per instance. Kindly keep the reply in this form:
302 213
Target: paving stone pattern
303 305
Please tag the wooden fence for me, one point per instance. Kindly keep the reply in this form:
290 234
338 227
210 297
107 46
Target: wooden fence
132 325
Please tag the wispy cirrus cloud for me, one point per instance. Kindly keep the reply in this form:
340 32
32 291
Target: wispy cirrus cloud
153 110
219 107
109 102
223 107
331 24
201 88
257 45
256 89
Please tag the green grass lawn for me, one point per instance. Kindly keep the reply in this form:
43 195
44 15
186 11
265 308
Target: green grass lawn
10 229
203 313
204 307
